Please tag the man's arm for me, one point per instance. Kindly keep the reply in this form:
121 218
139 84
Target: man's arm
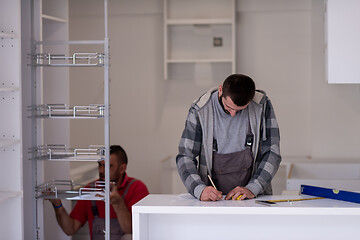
137 191
123 215
186 162
268 155
69 225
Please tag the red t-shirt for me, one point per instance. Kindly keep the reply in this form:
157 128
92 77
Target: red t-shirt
82 210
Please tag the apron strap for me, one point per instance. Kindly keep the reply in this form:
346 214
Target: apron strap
249 125
94 208
127 187
249 136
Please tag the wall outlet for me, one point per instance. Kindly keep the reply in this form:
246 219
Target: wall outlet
217 41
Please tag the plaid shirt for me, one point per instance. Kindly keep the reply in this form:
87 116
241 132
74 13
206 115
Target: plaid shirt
194 161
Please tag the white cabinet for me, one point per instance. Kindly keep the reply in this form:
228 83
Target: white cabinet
178 217
11 183
199 38
342 41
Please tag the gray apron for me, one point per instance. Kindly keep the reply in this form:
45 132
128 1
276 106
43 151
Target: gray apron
98 224
233 169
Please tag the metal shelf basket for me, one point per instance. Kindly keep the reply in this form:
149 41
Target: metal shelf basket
59 152
76 60
67 189
63 111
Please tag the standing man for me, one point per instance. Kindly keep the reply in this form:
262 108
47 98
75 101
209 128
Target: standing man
231 136
123 195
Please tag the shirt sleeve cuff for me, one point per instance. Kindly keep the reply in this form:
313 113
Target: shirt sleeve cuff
198 190
254 188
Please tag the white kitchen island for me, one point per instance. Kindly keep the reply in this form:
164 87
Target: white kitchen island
175 217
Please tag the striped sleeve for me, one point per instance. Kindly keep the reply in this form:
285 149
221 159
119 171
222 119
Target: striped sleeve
189 151
269 158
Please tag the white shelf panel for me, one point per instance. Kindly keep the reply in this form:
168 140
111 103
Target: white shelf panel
8 142
11 180
189 9
199 21
53 19
5 195
190 31
8 89
198 60
8 35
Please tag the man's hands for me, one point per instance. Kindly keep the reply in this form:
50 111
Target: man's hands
56 202
236 192
115 198
69 225
210 194
123 215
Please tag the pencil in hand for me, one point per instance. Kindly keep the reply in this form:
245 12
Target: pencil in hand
212 183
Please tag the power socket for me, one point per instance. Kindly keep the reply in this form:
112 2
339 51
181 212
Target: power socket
217 41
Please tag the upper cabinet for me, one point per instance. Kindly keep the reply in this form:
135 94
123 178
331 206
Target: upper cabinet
342 41
199 35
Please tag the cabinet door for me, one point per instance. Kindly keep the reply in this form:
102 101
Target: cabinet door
343 38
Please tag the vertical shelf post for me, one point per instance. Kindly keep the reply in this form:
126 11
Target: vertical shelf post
107 125
165 40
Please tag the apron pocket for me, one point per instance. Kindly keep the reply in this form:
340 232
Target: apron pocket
232 170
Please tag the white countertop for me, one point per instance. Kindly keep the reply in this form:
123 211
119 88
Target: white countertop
186 204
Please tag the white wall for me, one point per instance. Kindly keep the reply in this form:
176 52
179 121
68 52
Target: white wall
279 44
274 49
335 112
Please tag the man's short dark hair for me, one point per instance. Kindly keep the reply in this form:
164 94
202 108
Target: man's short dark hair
120 152
240 88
